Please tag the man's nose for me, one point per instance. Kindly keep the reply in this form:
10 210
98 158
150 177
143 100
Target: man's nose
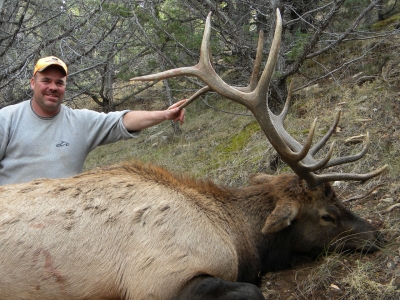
53 86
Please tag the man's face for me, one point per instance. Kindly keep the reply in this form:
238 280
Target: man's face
48 91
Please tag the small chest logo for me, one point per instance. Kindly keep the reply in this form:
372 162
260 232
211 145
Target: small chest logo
62 144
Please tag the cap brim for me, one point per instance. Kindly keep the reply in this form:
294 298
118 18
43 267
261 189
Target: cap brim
55 65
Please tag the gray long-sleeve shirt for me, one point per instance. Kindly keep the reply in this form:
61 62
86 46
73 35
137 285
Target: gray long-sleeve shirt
34 147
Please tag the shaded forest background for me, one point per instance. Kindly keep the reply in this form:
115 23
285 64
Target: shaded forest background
104 43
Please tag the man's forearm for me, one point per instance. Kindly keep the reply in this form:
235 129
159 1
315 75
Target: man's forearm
138 120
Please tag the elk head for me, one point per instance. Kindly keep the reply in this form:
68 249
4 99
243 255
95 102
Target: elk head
301 159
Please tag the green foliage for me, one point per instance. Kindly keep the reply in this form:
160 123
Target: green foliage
305 131
152 64
126 74
187 33
299 40
117 9
231 59
143 16
223 4
240 140
389 23
348 12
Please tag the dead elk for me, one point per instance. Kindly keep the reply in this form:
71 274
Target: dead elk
138 232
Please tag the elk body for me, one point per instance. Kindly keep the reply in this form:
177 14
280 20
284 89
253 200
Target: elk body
138 232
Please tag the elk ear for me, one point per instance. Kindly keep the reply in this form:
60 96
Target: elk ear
281 217
259 178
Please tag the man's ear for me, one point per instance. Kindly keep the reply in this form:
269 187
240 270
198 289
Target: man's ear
281 217
32 83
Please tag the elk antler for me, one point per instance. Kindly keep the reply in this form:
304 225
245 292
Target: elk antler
255 97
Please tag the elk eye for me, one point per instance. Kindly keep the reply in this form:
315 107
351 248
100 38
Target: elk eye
328 218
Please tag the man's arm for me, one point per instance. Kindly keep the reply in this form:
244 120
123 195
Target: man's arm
138 120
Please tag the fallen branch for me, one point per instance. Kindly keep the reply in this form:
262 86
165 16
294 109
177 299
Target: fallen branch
365 195
391 208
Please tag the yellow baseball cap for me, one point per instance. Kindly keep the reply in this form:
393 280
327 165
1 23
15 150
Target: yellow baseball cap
45 62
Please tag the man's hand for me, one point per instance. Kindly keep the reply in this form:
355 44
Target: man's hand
175 113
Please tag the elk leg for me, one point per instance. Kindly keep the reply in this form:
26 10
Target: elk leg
211 288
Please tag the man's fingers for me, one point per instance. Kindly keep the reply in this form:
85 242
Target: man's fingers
177 104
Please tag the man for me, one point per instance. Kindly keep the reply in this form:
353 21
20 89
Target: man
41 138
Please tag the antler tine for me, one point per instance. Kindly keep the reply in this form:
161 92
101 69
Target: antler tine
326 137
321 178
322 163
347 159
196 95
278 121
257 64
186 71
